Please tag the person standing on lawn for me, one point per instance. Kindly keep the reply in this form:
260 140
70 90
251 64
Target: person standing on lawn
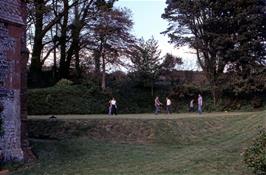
168 105
113 107
110 108
191 106
157 104
200 102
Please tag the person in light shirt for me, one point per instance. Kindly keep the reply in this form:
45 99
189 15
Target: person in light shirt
168 105
200 102
113 107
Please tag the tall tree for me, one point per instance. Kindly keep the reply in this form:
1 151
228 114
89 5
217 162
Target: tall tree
214 29
147 61
43 20
109 36
70 42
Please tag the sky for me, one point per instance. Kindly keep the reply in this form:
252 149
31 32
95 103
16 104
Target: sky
146 15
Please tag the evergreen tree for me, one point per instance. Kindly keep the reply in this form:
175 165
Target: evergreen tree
145 57
147 62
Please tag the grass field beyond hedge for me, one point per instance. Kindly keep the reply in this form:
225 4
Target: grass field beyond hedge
213 145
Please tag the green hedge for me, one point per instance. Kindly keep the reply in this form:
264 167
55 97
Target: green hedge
65 98
81 99
255 155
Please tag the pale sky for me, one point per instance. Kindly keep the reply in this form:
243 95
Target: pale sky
147 19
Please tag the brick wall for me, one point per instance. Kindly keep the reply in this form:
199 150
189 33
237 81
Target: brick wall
13 60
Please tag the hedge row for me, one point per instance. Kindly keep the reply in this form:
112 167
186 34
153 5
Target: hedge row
66 100
85 99
78 99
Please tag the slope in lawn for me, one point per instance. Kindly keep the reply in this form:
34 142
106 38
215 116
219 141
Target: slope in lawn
186 146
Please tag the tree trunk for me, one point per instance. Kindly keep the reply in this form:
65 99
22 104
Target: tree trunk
76 48
77 62
76 38
152 88
97 62
211 74
68 61
103 73
63 41
36 65
216 92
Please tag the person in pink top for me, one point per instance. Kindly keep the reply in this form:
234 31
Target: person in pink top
200 102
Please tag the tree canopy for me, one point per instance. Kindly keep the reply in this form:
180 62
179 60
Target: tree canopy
227 35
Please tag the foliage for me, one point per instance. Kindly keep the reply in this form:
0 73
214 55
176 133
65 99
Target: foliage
145 56
64 82
109 36
255 155
254 83
170 61
71 31
131 97
66 100
147 62
224 34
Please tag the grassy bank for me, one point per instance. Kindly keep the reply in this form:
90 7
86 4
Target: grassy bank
210 145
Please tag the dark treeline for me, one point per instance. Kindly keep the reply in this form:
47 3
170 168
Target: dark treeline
84 40
228 36
78 36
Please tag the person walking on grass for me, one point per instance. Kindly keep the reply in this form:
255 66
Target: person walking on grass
157 105
168 105
110 108
200 102
113 107
191 106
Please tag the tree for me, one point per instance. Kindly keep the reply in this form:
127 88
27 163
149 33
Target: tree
43 20
170 62
215 29
70 40
248 58
147 62
109 37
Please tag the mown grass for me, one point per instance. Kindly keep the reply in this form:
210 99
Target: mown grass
208 146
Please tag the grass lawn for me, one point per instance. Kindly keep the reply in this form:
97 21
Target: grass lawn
212 150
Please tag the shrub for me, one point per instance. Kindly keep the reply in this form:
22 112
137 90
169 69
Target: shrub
64 82
87 98
73 99
255 155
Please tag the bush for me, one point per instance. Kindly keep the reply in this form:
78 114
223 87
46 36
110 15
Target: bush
255 155
73 99
87 98
63 83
